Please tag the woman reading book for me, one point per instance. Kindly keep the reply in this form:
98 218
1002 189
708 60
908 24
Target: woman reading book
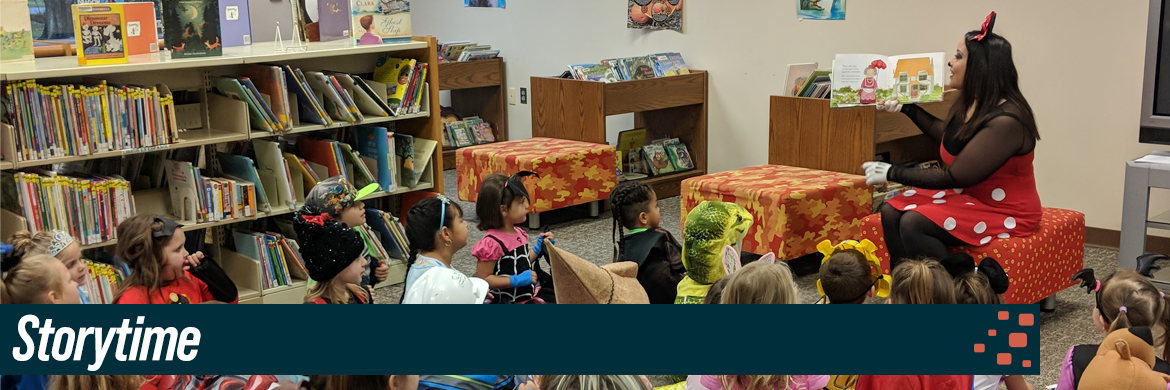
988 140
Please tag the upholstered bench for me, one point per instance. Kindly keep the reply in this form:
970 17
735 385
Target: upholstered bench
1039 265
571 172
795 208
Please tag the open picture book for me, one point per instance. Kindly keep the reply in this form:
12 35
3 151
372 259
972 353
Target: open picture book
862 79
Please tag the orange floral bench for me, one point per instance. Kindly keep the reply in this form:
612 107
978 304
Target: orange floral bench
795 208
571 172
1039 265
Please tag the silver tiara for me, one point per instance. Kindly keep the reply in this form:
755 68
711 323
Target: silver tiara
61 240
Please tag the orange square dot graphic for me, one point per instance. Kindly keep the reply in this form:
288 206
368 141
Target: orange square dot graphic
1027 319
1027 363
1018 340
991 332
979 348
1003 315
1003 359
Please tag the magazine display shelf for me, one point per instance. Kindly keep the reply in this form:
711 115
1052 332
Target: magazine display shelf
477 88
807 133
674 107
225 120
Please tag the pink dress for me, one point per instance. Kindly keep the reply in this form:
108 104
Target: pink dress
868 90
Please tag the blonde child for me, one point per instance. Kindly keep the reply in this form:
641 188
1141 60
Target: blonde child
59 244
160 267
335 257
38 279
592 382
761 283
504 259
757 382
1124 300
982 285
921 282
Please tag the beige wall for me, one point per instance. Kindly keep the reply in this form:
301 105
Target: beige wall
1080 65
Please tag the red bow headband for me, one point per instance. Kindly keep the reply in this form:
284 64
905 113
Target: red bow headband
986 28
318 220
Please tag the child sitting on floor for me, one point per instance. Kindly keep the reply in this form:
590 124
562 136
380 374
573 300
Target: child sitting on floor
436 230
343 202
161 268
37 279
654 249
921 282
335 257
850 272
504 259
59 244
757 382
982 285
761 282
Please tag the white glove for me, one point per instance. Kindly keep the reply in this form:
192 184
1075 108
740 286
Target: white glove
892 105
875 172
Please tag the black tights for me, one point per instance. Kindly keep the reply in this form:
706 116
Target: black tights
910 235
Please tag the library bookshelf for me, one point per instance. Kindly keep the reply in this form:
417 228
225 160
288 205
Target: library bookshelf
477 88
216 121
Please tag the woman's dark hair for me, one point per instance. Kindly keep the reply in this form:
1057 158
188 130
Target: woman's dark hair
990 77
628 200
422 221
491 197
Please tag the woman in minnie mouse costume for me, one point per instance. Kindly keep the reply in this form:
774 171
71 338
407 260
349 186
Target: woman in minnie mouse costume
988 142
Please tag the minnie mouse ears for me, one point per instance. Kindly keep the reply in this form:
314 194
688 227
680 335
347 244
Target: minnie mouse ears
958 264
515 183
985 29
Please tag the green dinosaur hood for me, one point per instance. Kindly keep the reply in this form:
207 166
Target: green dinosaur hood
708 228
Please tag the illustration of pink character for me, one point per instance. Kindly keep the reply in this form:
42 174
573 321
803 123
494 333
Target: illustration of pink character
868 92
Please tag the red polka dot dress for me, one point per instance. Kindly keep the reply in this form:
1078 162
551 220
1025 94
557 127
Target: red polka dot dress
973 199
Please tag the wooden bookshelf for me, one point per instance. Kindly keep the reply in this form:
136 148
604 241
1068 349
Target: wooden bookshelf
673 106
805 132
477 89
221 120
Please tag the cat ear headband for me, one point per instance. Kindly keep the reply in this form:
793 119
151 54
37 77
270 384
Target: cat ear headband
868 250
985 29
516 184
167 229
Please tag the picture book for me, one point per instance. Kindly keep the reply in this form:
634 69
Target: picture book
641 68
236 23
679 64
861 79
816 85
372 143
396 74
380 21
266 17
16 36
100 31
669 64
191 28
404 154
658 159
679 156
593 72
459 132
141 28
483 132
333 19
631 139
797 74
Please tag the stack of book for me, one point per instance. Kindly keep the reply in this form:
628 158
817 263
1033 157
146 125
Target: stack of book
77 120
279 257
208 199
465 51
886 191
399 248
470 131
89 207
632 68
405 80
102 283
652 158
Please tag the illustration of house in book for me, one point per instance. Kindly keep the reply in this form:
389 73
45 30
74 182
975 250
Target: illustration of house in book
860 79
914 78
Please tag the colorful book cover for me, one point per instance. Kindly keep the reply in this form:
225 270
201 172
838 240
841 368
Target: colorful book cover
404 151
817 10
191 28
141 28
100 31
680 156
396 74
16 37
861 79
381 21
597 72
641 68
462 137
680 66
371 143
235 22
333 19
658 159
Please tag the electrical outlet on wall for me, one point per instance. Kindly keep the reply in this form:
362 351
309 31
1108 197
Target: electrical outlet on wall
523 95
512 96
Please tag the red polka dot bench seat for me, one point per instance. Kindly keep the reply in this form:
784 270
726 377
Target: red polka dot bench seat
571 172
794 208
1039 266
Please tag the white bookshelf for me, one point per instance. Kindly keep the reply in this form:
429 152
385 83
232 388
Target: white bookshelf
224 120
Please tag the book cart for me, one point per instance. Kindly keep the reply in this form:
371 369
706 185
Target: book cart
477 88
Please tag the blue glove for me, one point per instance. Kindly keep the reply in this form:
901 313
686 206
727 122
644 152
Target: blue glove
539 247
521 280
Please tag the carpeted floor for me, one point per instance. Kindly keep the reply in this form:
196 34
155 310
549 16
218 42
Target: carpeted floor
591 238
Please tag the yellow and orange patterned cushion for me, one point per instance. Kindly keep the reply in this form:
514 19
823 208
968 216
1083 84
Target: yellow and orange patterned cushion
571 172
1039 265
795 208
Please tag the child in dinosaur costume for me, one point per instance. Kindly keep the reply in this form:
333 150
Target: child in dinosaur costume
709 227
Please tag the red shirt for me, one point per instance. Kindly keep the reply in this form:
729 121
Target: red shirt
185 290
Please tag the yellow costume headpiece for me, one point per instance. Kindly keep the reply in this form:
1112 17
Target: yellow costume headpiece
868 250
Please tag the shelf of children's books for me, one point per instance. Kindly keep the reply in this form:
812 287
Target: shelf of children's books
186 140
51 67
310 128
261 52
670 184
